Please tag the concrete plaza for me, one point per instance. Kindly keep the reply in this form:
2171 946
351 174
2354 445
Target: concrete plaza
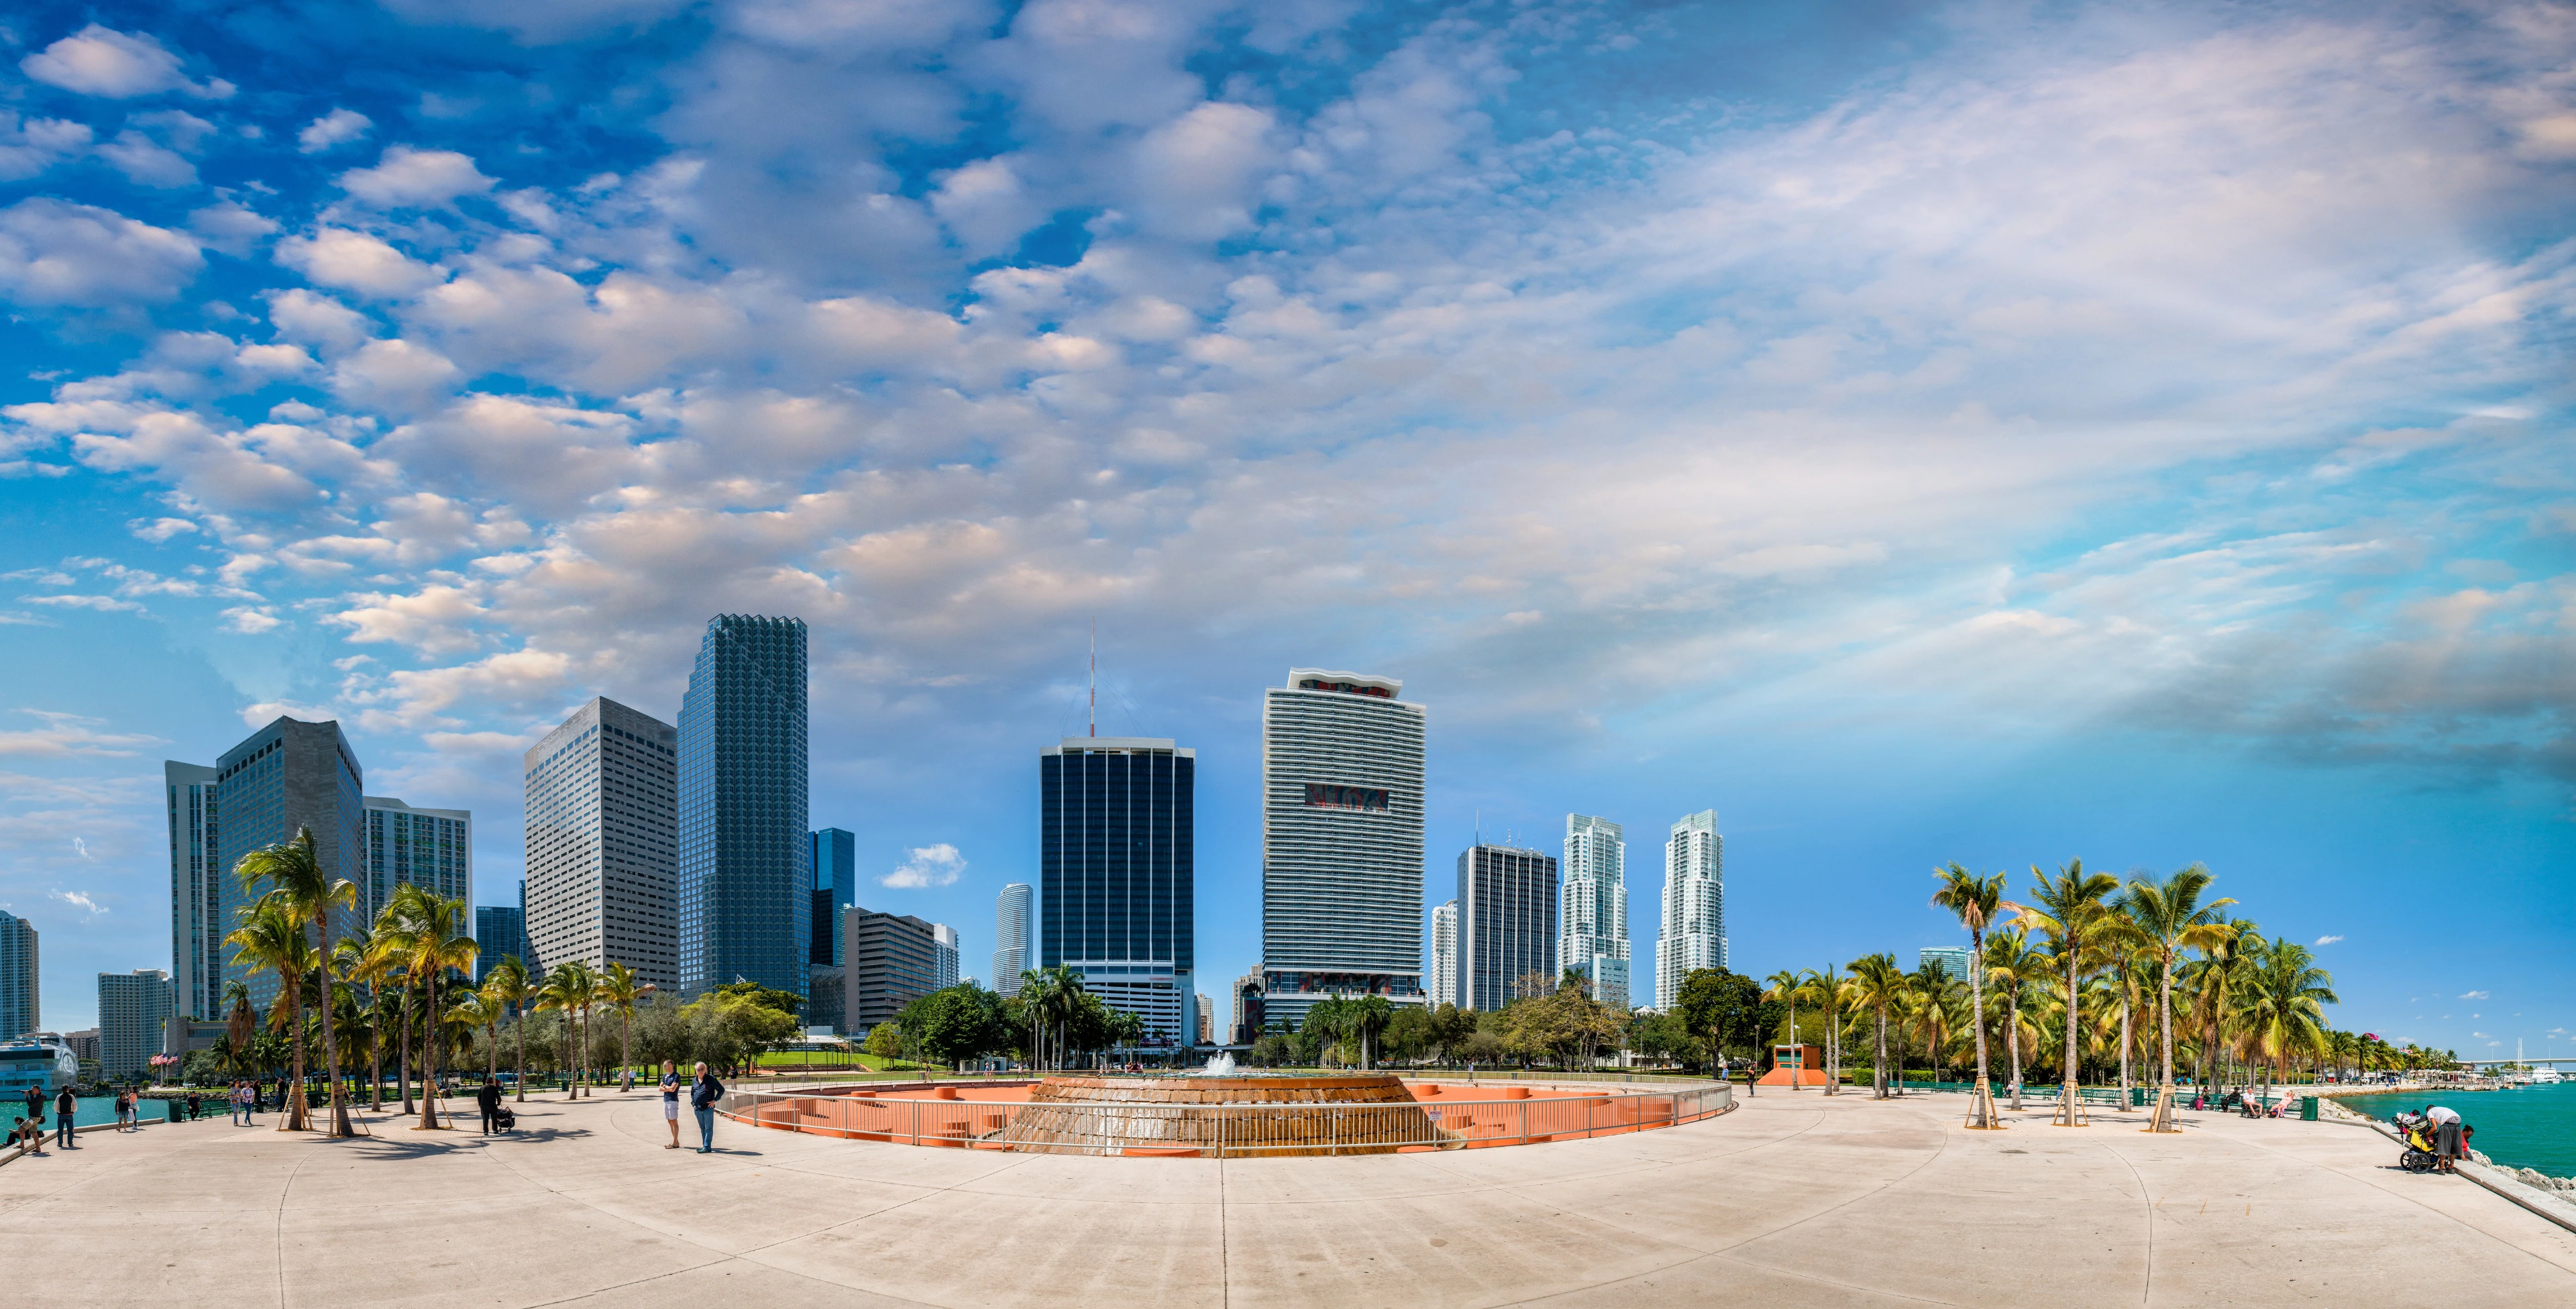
1794 1199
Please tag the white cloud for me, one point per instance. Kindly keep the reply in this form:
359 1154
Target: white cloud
355 261
69 735
158 530
929 865
79 899
30 146
2473 995
338 127
2328 940
231 227
409 178
102 603
146 163
102 61
55 253
436 620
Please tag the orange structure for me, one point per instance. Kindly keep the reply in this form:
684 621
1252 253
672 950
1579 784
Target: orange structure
1795 1065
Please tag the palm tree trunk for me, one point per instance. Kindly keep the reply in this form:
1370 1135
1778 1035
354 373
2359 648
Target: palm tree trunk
2164 1018
1878 1068
402 1053
295 1120
2072 1000
2012 1042
2124 1043
520 1025
429 1056
330 1042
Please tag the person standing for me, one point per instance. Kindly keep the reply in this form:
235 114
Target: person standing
703 1095
2446 1137
66 1106
671 1101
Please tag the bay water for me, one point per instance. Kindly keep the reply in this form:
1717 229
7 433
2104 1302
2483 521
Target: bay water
2525 1127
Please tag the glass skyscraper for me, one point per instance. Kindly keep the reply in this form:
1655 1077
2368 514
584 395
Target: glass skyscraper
1442 986
285 776
1507 924
1593 923
746 881
1694 928
501 930
429 848
1341 842
835 855
132 1007
1117 836
1011 920
21 998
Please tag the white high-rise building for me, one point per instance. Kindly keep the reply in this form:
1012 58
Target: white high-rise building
1011 919
1694 928
1341 841
1442 988
603 843
1592 924
943 962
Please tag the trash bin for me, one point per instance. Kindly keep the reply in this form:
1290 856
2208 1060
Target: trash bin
2307 1109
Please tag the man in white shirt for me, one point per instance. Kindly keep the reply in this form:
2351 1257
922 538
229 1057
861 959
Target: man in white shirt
2446 1136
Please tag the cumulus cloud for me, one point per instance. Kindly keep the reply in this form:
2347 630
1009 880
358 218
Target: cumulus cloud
56 253
70 735
929 865
29 146
409 178
79 900
338 127
2473 995
355 261
2328 940
102 61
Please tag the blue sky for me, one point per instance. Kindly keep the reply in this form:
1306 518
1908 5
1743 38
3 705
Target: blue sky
2000 433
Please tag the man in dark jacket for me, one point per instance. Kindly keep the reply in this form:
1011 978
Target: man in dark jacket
703 1094
65 1106
487 1097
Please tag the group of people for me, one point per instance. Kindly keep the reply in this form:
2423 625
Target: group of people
29 1133
2440 1128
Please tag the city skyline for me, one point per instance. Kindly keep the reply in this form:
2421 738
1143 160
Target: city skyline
1795 410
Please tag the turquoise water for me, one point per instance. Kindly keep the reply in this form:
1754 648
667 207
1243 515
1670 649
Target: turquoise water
2529 1127
94 1109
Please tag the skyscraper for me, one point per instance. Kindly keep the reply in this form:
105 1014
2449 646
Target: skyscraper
1594 920
131 1009
499 931
602 836
835 856
199 889
429 848
943 956
1011 921
1953 960
285 776
1507 924
1116 840
893 960
21 999
1442 988
1341 841
1694 926
746 890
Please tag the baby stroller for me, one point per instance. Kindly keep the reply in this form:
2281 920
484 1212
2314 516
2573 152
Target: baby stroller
2418 1156
509 1121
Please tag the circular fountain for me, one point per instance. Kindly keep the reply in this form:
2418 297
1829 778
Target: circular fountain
1358 1113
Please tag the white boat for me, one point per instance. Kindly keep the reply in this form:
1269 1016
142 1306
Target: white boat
38 1059
2546 1077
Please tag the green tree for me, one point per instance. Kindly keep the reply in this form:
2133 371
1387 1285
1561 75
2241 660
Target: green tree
1369 1015
434 945
620 989
885 1041
2013 966
958 1023
2280 1007
310 893
271 939
507 983
1977 901
567 991
1723 1008
2171 917
785 1002
1880 987
2069 906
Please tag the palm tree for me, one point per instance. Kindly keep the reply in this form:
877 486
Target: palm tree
2071 911
568 988
507 983
1036 995
492 1009
2213 979
1784 985
619 988
2171 918
1878 985
1369 1015
1977 901
2011 964
434 945
292 870
1328 1020
2280 1008
1825 987
271 938
240 1022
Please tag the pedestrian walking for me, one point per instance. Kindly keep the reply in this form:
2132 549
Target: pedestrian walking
488 1099
671 1101
66 1106
703 1095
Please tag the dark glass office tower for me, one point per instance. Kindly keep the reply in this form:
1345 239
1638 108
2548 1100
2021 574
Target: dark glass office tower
1116 836
288 775
1507 925
499 930
836 874
746 881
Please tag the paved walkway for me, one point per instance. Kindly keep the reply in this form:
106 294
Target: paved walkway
1791 1200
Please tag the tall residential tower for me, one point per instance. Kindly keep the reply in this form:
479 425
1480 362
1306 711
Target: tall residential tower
745 885
21 999
287 776
603 842
1593 925
1011 922
1341 841
1694 929
1441 987
1117 836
